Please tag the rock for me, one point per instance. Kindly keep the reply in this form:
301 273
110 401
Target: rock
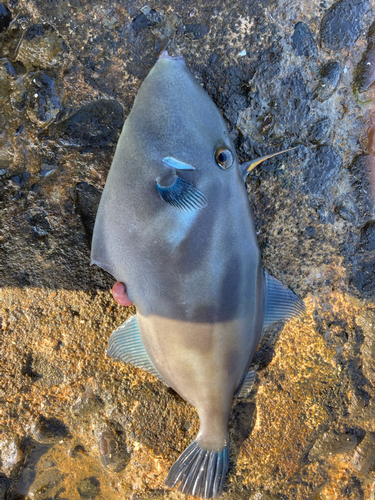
367 241
88 198
46 485
364 277
49 430
318 132
197 31
332 443
48 374
20 179
88 404
148 17
321 173
5 17
364 457
40 225
21 487
310 232
330 75
11 452
89 488
42 104
112 449
303 41
4 85
41 48
361 185
342 23
365 72
97 124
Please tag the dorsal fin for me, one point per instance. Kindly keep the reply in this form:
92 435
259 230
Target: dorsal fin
125 344
282 303
182 195
249 165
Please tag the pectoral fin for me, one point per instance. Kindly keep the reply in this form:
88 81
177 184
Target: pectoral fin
125 344
182 195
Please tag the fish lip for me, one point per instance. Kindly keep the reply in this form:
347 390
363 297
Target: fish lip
165 55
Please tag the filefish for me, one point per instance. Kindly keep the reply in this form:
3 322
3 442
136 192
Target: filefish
175 226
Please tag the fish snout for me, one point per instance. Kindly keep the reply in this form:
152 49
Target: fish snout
165 55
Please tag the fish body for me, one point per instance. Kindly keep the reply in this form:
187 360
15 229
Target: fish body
175 225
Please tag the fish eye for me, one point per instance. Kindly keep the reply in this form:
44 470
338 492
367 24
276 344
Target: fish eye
224 158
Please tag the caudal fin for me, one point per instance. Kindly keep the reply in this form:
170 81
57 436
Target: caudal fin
201 472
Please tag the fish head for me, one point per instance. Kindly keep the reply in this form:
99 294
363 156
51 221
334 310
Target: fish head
179 130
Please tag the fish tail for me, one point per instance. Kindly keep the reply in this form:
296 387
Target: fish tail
201 472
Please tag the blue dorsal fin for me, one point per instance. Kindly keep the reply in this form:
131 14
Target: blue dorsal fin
282 303
247 385
125 344
182 195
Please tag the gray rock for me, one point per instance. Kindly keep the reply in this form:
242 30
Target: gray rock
303 41
11 452
364 455
332 443
342 23
330 75
96 124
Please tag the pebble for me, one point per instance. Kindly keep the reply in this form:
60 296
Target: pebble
88 198
42 104
49 430
112 448
342 24
368 237
5 17
45 485
148 17
97 124
197 31
39 225
365 72
88 404
303 41
332 443
361 186
321 173
318 131
330 75
11 452
41 48
89 488
364 456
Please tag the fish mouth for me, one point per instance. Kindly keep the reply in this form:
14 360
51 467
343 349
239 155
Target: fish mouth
165 55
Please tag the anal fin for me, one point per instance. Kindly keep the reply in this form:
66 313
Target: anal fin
282 303
247 385
125 344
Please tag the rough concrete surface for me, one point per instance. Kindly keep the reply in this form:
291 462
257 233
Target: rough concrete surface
75 424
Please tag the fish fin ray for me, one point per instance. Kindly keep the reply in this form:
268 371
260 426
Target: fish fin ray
244 390
182 195
282 303
125 344
201 472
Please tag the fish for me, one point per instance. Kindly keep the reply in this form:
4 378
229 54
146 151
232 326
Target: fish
174 224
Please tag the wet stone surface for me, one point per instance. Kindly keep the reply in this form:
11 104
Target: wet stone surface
75 424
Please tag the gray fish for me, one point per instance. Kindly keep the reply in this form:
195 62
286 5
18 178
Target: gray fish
175 226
